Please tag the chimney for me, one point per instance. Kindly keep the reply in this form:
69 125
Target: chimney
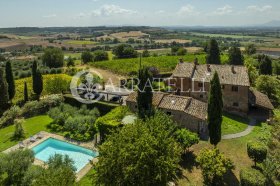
181 60
208 68
196 61
232 69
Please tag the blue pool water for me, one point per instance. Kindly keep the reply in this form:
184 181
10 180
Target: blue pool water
81 156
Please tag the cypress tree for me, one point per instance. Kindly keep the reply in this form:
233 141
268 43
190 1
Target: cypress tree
38 84
265 65
213 53
37 80
215 110
4 94
10 80
235 56
25 92
145 94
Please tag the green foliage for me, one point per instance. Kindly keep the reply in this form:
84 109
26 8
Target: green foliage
165 64
60 171
78 124
34 108
38 83
181 51
144 153
214 166
111 121
213 53
252 70
25 92
265 65
4 94
257 151
15 165
53 57
19 132
250 49
146 53
270 86
215 110
144 94
124 51
10 80
100 55
57 85
235 56
186 138
9 116
70 62
252 177
86 57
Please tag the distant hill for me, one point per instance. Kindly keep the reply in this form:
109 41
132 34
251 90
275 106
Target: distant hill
274 23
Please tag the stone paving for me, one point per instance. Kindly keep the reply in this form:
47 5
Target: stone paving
45 135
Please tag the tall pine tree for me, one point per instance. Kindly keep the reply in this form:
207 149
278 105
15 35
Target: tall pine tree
145 94
235 56
4 94
25 92
10 80
213 53
215 110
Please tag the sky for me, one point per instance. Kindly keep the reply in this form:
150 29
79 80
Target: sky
47 13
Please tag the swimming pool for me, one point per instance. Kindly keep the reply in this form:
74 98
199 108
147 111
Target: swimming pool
81 156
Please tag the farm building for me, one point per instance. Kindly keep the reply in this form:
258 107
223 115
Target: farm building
193 80
186 111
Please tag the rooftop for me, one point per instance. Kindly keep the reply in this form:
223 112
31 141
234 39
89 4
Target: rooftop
184 104
228 74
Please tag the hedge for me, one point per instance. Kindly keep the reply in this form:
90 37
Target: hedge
103 107
252 177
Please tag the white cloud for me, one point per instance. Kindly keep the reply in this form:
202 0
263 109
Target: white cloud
110 10
187 10
50 16
255 8
227 9
160 12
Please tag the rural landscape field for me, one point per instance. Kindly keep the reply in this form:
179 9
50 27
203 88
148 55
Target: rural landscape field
139 93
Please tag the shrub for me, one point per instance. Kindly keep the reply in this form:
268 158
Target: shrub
34 108
9 116
111 121
257 151
252 177
19 132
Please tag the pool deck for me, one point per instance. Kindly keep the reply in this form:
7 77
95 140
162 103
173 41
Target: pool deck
45 135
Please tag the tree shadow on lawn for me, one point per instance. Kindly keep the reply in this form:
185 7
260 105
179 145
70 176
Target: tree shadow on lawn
230 179
188 161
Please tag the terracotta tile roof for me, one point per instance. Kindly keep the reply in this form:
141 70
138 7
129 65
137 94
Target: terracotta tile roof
260 99
157 97
236 76
173 102
239 75
197 109
184 104
183 70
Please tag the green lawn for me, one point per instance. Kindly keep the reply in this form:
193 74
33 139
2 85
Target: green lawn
87 179
233 124
235 149
31 126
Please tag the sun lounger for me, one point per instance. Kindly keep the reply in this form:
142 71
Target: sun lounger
21 145
32 139
40 135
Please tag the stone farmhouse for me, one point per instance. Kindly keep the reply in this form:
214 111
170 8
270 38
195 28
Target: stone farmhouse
186 111
193 80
